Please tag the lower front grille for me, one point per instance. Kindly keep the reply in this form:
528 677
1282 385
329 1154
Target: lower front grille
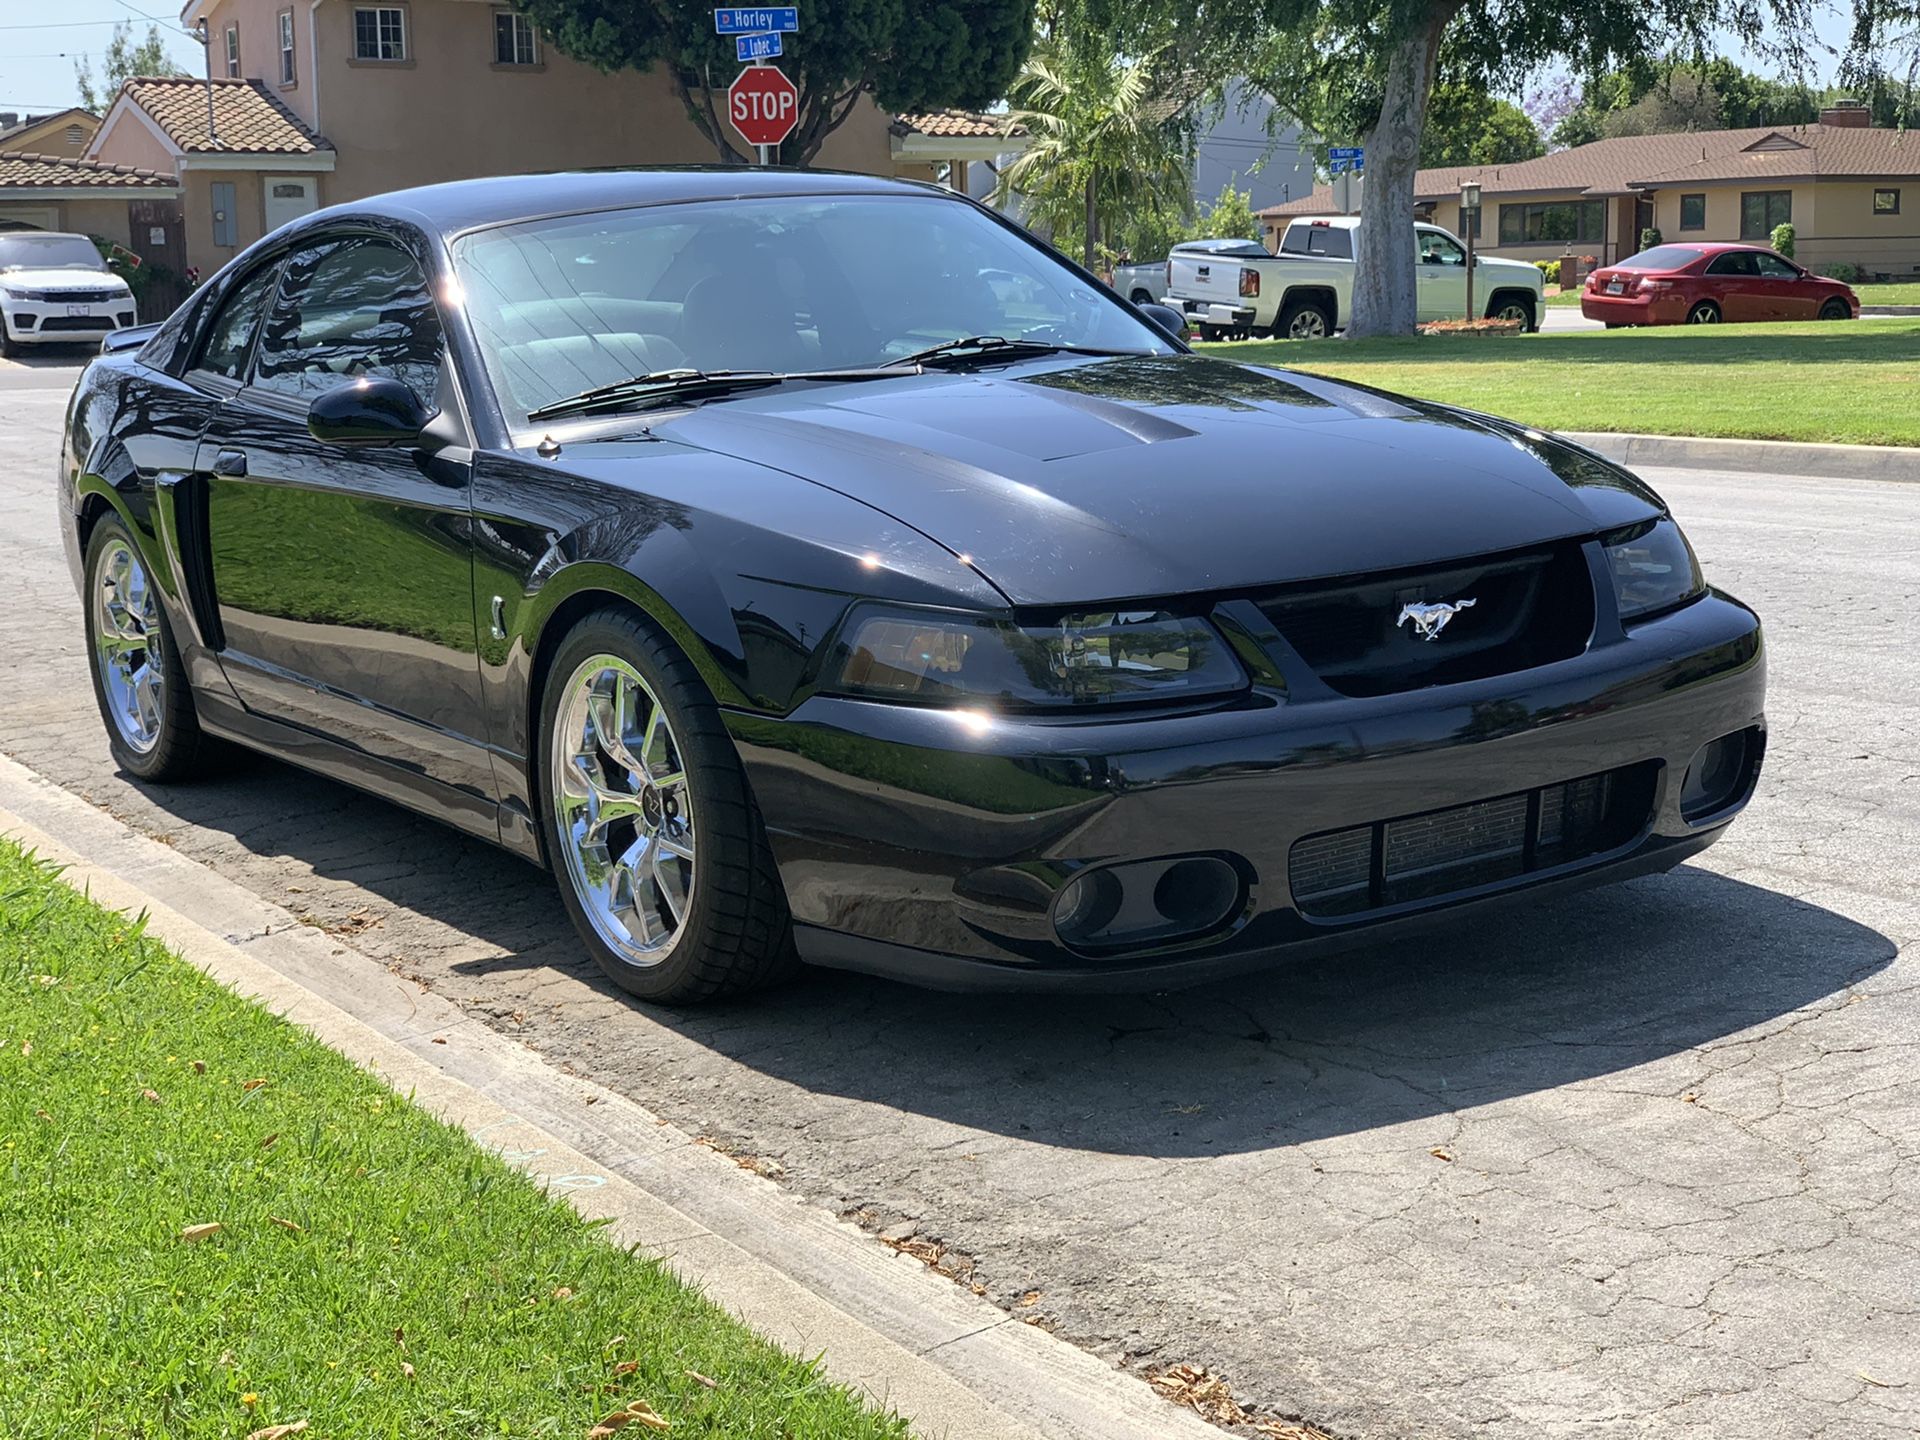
1446 852
77 322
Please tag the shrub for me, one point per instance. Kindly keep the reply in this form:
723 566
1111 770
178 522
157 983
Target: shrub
1845 273
1783 238
1650 237
1549 271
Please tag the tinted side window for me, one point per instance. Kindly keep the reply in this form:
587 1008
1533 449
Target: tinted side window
1332 241
350 308
1774 268
230 337
1738 262
1295 240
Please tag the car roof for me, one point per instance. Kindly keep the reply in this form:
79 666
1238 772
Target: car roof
458 205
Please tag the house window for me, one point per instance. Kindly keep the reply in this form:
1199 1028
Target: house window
1886 202
379 33
1580 222
1693 212
233 52
286 47
514 42
1761 210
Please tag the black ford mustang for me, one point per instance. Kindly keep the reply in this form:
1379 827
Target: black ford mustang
812 566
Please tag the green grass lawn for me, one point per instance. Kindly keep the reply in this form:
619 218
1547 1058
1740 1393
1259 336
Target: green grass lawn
1895 293
1823 382
374 1272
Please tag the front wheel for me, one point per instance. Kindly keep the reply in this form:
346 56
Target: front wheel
1305 320
1513 309
139 681
650 826
1835 310
1705 313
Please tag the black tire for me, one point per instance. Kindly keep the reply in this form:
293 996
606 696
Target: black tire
737 934
178 748
1836 310
1304 320
1510 306
1141 297
1705 313
9 348
1209 334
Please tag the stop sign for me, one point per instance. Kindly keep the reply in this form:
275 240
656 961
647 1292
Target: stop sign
763 105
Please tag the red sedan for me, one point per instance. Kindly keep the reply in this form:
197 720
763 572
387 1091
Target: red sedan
1707 283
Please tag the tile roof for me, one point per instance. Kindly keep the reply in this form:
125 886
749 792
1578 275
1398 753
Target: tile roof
73 114
1693 157
23 170
966 124
246 118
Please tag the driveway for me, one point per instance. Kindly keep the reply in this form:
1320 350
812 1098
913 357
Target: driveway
1645 1161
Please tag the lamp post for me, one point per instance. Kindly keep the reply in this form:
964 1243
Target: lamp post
1470 222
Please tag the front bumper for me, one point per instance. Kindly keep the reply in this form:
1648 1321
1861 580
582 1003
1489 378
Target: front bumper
56 322
933 845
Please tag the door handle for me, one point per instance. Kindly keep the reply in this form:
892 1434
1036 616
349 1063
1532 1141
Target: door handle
231 463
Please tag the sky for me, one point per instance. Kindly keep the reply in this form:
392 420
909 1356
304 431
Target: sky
41 39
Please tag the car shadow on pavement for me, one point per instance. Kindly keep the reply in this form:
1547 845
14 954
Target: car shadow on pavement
1478 1010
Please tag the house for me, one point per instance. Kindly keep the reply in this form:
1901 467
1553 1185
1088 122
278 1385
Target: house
1239 146
316 102
59 192
960 149
66 133
1840 181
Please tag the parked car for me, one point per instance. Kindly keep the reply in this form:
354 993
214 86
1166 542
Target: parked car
56 290
1305 292
1706 283
862 617
1145 281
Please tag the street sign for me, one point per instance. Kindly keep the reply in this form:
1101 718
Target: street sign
1340 167
756 22
756 47
1347 152
763 105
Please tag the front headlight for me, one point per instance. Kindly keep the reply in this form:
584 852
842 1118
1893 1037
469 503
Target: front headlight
15 294
1087 659
1653 568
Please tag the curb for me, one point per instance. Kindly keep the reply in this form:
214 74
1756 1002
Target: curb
955 1365
1770 457
1885 310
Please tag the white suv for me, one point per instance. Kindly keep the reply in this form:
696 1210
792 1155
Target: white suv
56 290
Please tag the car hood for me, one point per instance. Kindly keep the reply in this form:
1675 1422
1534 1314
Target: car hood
1163 475
62 280
1524 268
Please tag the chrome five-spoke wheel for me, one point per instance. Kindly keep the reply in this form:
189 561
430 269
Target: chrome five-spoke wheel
623 810
126 640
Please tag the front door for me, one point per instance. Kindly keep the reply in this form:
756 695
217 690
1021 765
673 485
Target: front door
344 575
1441 268
289 197
1786 298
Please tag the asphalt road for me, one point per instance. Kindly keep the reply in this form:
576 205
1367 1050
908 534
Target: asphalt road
1645 1161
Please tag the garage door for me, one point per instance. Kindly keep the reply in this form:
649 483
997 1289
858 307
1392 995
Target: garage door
29 217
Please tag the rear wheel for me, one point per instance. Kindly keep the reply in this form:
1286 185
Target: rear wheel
1141 297
139 681
1835 310
1705 313
662 861
1304 320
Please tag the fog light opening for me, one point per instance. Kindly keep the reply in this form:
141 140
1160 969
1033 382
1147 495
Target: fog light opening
1147 903
1196 894
1087 906
1717 776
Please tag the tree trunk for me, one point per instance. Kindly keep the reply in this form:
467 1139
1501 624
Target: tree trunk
1385 276
1093 219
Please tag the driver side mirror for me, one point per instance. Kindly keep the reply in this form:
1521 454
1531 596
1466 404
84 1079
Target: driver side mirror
373 410
1167 318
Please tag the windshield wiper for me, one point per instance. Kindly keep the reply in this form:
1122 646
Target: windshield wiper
994 347
663 385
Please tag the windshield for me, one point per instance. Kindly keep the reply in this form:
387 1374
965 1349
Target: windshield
48 252
788 284
1661 257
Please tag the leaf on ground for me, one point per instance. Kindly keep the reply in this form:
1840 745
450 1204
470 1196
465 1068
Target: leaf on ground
194 1234
1440 1152
406 1369
270 1141
625 1367
563 1293
706 1380
43 1115
254 1084
199 1067
152 1097
288 1225
636 1412
278 1432
26 1048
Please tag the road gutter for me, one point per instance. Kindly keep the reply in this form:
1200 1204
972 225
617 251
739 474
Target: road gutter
957 1366
1768 457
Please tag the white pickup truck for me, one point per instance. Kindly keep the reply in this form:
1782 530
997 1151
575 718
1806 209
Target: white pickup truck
1306 291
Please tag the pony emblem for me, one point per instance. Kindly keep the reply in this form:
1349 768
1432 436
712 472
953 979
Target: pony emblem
1430 620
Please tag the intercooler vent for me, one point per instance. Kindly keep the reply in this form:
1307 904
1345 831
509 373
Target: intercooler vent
1448 852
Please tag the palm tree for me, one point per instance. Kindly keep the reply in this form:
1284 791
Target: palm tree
1104 143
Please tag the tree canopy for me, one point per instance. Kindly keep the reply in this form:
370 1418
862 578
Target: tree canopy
124 58
909 55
